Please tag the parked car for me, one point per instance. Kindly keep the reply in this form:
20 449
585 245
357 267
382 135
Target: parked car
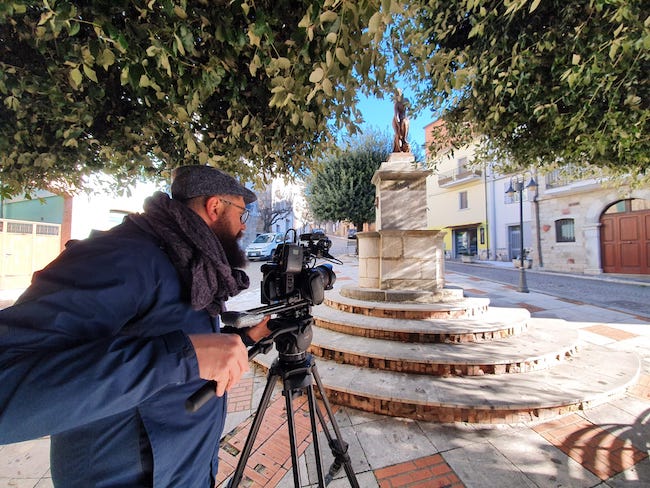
352 233
318 233
263 246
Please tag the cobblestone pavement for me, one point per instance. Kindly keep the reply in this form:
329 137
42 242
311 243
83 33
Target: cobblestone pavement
605 446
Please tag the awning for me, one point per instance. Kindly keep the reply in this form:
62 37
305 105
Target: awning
465 226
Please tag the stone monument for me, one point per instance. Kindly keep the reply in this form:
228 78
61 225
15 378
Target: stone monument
401 260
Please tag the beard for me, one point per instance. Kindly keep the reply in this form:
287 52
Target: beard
234 253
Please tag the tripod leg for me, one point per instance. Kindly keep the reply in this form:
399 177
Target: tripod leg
288 396
313 407
337 445
255 427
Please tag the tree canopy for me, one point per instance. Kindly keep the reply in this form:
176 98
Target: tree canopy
341 189
131 86
544 83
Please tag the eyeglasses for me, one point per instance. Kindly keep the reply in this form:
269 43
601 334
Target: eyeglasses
245 213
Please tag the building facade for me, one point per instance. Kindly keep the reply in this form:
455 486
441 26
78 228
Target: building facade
592 227
573 225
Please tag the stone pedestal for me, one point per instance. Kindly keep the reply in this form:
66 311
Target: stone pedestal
401 260
401 193
402 254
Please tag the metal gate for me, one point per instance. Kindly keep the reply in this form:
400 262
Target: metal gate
25 247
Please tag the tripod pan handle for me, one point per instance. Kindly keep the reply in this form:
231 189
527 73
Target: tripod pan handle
201 396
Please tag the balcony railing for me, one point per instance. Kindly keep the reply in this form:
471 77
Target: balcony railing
458 175
569 178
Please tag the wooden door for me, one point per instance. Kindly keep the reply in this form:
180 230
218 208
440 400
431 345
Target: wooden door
625 242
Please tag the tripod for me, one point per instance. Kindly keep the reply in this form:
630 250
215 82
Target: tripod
298 373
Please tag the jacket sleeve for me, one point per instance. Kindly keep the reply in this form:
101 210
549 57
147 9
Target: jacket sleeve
65 358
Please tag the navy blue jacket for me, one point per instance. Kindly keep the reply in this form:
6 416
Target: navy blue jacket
96 354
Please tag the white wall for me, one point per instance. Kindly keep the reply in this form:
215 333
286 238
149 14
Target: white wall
93 211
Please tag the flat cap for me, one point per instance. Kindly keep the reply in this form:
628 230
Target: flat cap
197 180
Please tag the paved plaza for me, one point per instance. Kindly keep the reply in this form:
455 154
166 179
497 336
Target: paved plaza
604 446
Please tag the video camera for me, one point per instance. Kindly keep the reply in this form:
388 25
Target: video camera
292 274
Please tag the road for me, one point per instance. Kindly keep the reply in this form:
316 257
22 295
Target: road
603 292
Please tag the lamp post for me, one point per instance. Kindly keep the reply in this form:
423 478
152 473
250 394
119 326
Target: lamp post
517 186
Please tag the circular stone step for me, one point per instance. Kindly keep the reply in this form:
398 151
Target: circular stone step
543 345
579 382
462 308
495 323
448 293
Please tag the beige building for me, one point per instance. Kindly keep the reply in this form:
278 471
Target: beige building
577 226
456 205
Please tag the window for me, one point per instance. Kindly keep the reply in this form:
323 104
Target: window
630 205
462 200
565 230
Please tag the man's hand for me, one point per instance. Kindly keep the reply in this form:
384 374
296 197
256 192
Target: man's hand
260 330
221 357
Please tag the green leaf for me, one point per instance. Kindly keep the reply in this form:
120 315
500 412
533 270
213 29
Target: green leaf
74 28
75 78
203 60
254 39
124 76
179 45
316 75
180 13
45 16
342 56
375 23
90 73
191 145
283 63
328 16
12 103
106 59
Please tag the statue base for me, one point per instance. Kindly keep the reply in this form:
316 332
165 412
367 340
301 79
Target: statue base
393 259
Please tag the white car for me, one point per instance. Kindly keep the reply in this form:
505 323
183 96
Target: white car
263 246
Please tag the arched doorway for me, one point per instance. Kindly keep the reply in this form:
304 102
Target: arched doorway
625 237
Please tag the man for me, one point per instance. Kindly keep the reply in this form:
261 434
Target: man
105 346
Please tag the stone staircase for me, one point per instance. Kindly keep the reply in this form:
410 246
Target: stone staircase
457 360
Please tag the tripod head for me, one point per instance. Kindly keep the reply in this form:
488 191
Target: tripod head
291 332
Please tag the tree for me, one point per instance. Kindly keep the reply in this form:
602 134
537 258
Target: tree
341 189
545 83
142 86
273 208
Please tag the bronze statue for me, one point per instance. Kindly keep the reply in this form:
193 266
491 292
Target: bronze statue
400 124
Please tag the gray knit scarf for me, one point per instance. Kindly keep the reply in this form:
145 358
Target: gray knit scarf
194 250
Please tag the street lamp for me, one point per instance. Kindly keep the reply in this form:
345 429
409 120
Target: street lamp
517 186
